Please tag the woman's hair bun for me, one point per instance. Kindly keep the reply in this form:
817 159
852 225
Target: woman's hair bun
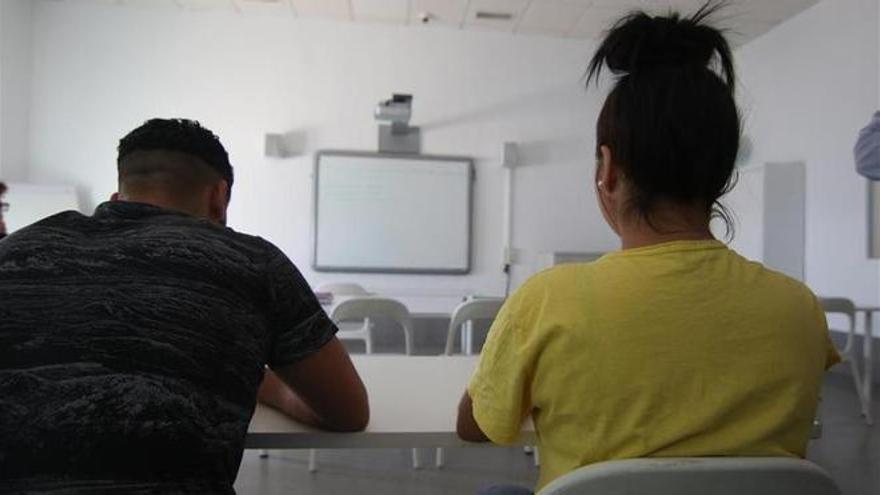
640 42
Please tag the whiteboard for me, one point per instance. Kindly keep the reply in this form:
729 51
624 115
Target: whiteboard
29 203
392 213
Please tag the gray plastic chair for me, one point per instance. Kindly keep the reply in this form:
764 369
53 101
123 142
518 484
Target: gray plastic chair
469 311
363 309
697 476
465 314
361 330
845 307
370 308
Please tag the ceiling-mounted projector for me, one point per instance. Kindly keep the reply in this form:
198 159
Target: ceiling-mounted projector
397 110
395 133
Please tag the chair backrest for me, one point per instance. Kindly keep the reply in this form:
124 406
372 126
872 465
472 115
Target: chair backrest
367 307
343 289
842 306
473 310
838 305
697 476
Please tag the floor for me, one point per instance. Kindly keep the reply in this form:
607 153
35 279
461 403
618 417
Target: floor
849 450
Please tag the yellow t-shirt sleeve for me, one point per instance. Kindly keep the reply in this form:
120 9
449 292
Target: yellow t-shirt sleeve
499 387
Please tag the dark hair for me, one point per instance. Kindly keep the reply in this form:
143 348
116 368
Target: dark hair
180 135
3 188
671 121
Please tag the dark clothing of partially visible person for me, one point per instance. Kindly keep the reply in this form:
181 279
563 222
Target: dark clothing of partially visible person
132 344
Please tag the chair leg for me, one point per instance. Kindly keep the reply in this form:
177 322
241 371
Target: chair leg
368 342
469 337
440 457
417 464
537 457
313 460
860 390
407 341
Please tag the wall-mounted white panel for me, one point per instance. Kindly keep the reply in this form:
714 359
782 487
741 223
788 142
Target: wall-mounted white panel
386 213
785 218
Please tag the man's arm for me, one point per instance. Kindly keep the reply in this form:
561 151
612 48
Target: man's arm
322 390
467 426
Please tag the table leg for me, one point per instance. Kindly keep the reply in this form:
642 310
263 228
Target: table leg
868 355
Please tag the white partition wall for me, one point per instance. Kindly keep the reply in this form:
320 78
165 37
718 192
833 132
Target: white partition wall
768 206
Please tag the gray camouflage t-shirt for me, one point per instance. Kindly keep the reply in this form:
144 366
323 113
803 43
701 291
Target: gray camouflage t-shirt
132 343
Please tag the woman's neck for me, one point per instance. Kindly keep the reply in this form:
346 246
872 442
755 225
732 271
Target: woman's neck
667 224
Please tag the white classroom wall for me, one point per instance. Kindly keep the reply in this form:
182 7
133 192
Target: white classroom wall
100 70
16 39
808 86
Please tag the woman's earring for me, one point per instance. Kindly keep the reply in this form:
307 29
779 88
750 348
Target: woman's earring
599 184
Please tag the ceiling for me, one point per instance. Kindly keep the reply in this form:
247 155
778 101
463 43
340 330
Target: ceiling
580 19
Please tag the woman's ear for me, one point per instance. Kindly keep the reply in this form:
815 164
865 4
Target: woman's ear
606 173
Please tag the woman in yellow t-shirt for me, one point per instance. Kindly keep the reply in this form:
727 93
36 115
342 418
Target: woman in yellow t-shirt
675 345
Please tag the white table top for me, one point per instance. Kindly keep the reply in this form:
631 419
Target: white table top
413 403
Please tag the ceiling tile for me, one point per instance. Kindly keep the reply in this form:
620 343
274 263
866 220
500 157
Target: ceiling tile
683 7
200 5
556 17
766 11
105 2
278 8
621 5
743 20
745 32
515 8
595 21
150 4
449 13
396 11
336 9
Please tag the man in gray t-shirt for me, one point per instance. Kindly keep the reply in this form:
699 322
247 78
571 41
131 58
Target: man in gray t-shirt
133 342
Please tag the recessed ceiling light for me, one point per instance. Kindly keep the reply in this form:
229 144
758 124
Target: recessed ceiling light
494 16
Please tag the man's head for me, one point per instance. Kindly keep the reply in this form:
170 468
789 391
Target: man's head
3 207
176 164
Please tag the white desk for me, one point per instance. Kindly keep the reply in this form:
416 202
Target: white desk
868 355
413 403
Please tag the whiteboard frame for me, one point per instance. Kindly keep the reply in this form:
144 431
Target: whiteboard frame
392 270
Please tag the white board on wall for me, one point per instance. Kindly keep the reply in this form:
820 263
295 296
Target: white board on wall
29 203
389 213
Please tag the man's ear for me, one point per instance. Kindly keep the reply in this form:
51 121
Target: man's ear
218 202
